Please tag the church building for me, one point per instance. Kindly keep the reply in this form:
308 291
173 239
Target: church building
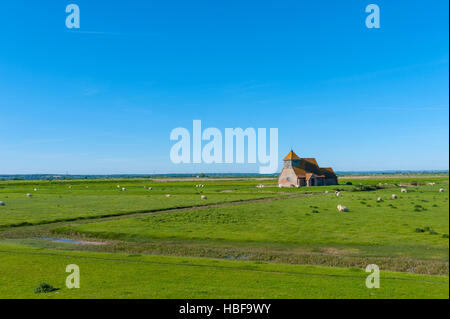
299 172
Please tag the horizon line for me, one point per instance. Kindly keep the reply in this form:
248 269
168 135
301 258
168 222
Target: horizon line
228 173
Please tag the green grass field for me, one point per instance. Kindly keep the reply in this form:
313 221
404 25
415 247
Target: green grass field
276 243
104 275
55 201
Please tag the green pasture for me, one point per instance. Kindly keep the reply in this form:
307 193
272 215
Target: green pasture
52 202
416 224
104 275
292 243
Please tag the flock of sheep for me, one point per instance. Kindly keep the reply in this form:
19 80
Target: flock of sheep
167 195
342 208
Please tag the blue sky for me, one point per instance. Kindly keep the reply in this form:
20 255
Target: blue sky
103 99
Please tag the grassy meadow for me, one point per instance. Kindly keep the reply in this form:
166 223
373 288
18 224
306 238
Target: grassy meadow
63 201
274 242
104 275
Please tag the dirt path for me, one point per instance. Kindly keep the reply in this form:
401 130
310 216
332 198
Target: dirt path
201 207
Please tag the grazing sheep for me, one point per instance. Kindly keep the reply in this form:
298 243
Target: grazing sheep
338 194
167 195
404 190
35 189
70 186
394 196
118 186
441 190
431 184
326 192
379 199
123 189
150 188
203 196
2 203
87 186
342 208
29 195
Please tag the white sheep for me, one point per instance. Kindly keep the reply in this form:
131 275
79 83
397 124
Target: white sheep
394 196
203 197
29 195
342 208
35 189
118 186
379 199
338 194
403 190
123 189
70 187
2 203
150 188
167 195
441 190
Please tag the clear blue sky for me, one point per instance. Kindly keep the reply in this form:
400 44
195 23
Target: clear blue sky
104 98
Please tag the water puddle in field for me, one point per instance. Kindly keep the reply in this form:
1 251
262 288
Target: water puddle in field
71 241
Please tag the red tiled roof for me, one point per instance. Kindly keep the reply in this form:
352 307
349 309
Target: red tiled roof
299 172
328 171
311 160
309 166
291 156
302 173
